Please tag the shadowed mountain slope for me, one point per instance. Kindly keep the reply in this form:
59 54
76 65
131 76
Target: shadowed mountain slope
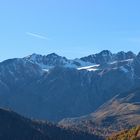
119 113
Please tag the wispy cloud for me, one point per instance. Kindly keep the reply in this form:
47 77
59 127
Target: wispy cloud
37 35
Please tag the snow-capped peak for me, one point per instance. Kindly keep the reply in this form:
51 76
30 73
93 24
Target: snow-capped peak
51 60
90 63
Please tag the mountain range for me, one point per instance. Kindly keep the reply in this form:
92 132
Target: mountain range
97 94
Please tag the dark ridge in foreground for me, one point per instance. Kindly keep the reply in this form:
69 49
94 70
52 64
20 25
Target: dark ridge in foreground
16 127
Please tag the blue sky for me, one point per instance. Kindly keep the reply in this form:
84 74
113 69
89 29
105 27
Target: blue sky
72 28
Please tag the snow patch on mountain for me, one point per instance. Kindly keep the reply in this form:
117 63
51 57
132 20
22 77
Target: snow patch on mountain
89 68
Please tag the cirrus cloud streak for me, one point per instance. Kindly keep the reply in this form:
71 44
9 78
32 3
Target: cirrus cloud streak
37 35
